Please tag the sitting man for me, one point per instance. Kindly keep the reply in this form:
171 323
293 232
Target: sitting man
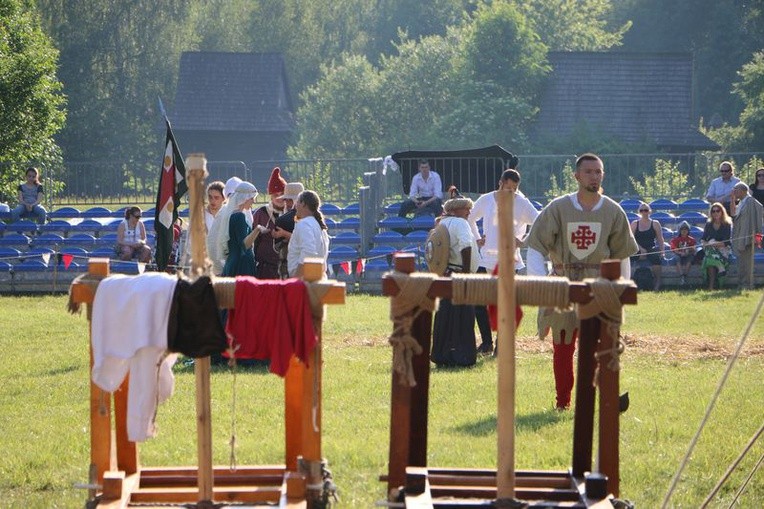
426 193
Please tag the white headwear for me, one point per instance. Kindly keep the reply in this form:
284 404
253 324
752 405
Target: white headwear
217 239
230 186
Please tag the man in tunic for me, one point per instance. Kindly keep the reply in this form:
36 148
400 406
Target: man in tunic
746 223
266 248
576 232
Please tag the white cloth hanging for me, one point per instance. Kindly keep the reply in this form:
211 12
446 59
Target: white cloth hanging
129 334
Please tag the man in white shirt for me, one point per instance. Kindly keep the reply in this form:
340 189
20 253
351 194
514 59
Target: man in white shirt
485 208
721 187
426 193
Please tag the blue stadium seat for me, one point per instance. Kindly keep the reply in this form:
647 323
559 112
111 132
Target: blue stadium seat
5 216
694 204
349 223
351 210
90 226
695 218
630 204
151 239
76 251
376 265
56 226
393 222
149 212
122 267
31 265
331 224
22 226
65 213
51 240
119 213
102 252
37 253
184 213
422 222
10 255
696 233
417 237
111 227
82 240
5 267
664 217
343 254
96 212
79 266
17 240
149 224
632 216
537 205
380 252
330 209
663 204
393 209
2 227
346 239
389 238
107 240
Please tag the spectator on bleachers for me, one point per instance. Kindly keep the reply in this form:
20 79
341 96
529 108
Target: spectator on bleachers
716 246
485 208
746 223
30 196
266 251
649 236
310 238
285 225
131 237
757 187
683 245
425 193
721 187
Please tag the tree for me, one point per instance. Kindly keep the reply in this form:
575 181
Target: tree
667 180
573 25
750 89
32 106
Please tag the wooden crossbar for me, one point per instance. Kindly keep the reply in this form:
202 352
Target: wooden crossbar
123 478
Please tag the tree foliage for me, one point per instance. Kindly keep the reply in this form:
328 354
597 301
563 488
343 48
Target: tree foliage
666 180
31 102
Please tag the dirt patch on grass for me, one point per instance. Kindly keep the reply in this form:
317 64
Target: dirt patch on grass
667 347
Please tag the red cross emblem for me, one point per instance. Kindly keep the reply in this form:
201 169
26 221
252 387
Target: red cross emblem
583 237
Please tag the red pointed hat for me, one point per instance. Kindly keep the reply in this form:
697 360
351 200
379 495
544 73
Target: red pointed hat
276 183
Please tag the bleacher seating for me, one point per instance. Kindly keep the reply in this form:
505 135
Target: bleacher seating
119 213
330 209
694 218
64 213
17 240
393 223
694 204
349 223
422 222
10 255
94 212
51 240
389 238
56 226
331 224
346 239
90 226
630 204
342 254
351 210
22 226
83 240
393 209
663 204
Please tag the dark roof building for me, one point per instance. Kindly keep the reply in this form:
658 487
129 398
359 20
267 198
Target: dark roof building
233 106
635 97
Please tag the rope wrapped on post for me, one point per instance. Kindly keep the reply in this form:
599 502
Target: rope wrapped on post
480 290
606 305
404 309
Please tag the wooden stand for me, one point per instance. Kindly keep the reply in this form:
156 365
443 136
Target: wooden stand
118 479
411 481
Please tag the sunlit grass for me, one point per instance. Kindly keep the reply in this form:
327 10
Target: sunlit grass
677 353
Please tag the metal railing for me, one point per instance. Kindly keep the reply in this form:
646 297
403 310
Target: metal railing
338 180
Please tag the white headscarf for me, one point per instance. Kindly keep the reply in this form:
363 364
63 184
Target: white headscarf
230 186
217 239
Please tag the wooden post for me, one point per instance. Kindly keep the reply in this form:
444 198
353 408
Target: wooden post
609 411
409 405
505 428
197 172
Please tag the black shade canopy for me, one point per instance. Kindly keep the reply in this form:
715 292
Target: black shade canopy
471 171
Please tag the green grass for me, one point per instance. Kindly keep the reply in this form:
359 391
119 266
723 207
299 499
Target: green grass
677 353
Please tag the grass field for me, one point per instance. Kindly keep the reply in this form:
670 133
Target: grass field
678 345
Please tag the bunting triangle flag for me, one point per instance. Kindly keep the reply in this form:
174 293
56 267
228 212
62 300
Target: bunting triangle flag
360 265
172 186
46 258
345 267
67 259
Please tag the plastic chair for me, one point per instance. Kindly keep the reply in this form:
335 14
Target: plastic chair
393 222
57 225
82 240
422 222
630 204
90 226
342 254
31 265
346 239
96 212
349 223
352 210
698 204
10 255
50 240
388 238
330 209
694 218
65 213
393 209
22 226
15 240
418 237
537 205
663 204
